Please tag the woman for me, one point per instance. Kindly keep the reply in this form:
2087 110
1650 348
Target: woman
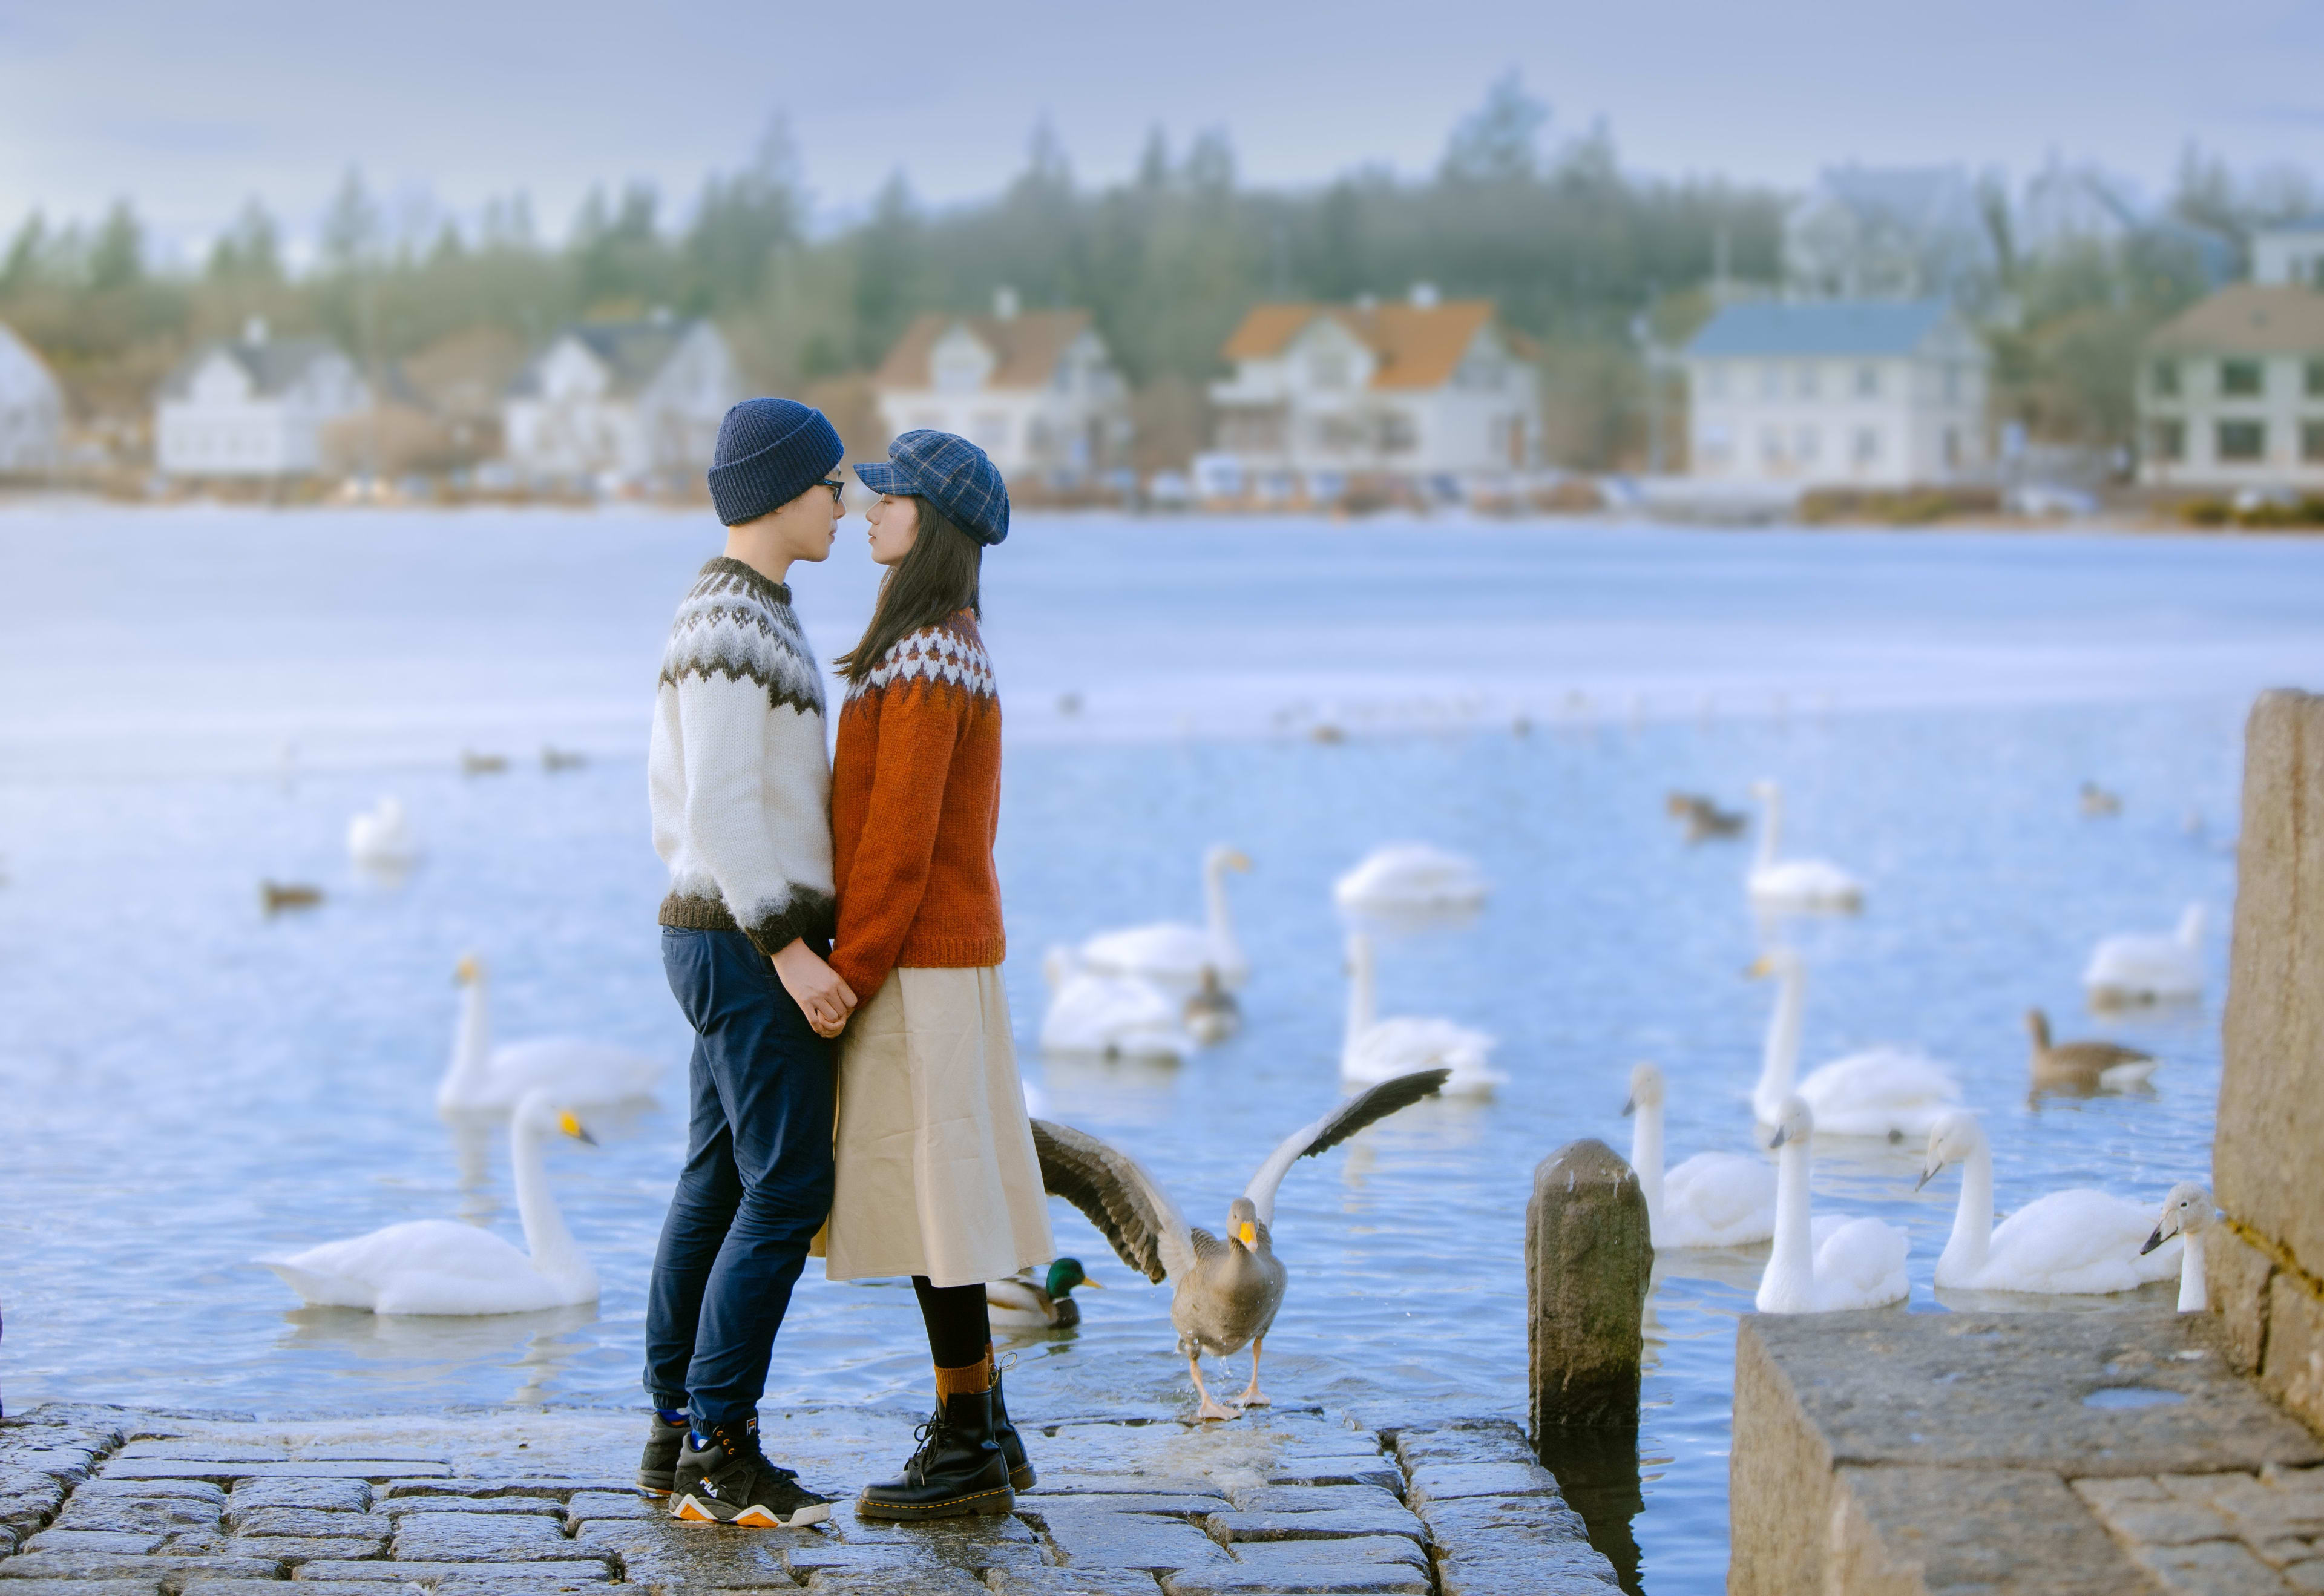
935 1176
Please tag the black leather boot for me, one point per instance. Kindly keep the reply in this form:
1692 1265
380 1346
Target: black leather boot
1012 1447
957 1472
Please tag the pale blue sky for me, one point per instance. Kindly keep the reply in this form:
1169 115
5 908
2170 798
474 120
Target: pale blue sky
187 109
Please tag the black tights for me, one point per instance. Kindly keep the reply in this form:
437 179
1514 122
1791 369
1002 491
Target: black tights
959 1328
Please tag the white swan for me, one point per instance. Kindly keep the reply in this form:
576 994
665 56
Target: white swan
2140 968
2187 1214
1711 1200
1174 954
1411 879
1374 1050
2076 1241
1803 885
1111 1017
438 1266
1817 1268
482 1077
380 837
1887 1092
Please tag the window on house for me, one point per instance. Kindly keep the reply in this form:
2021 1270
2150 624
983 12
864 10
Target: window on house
1771 445
1867 382
2240 378
1806 444
1866 449
2242 440
2312 379
2165 379
1397 432
1328 371
2311 441
2168 441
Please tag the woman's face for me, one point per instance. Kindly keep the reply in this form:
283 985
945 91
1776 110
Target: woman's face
895 521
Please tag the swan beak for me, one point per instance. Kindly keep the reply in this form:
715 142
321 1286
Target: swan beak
1759 970
1927 1176
575 1129
465 971
1781 1135
1238 860
2152 1241
1629 1107
1247 1234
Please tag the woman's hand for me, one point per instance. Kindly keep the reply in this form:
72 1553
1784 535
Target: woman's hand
815 987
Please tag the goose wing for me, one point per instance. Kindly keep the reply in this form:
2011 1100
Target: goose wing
1132 1212
1336 1126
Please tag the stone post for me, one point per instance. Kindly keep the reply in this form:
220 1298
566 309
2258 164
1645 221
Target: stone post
1587 1258
2265 1262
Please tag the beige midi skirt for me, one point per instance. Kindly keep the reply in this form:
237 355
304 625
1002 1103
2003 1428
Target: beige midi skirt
935 1169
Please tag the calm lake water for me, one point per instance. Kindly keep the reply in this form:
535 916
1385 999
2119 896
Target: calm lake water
193 701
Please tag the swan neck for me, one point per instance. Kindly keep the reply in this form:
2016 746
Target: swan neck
1215 903
1791 1266
1780 1064
1972 1238
1646 1157
1769 829
471 1045
551 1245
2194 1292
1361 1001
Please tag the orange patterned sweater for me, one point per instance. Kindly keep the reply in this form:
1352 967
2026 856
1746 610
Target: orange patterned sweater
915 798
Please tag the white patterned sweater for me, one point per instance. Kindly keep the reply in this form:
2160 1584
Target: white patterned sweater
737 770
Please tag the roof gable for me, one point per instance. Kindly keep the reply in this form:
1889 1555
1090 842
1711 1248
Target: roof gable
1025 348
632 353
273 365
1412 345
1806 328
2247 319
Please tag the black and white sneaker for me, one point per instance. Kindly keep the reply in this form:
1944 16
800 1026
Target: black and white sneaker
731 1482
658 1469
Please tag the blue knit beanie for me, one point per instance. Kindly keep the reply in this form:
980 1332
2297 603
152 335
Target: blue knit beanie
770 452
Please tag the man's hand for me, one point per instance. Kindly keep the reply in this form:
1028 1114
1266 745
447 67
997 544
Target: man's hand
815 987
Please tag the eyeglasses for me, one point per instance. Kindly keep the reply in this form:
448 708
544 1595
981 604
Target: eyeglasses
838 489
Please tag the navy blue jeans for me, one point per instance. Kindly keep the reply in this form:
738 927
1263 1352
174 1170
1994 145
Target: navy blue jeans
757 1182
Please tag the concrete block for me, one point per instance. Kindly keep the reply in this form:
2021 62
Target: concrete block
1450 1481
1474 1441
2293 1372
1123 1485
477 1537
1588 1263
1354 1579
216 1587
2305 1576
937 1582
1310 1499
173 1572
1506 1526
205 1451
1096 1537
294 1549
312 1521
588 1504
666 1557
1372 1469
1570 1571
55 1587
2209 1568
1332 1524
1903 1531
144 1491
557 1487
156 1468
546 1506
1071 1582
163 1515
330 1495
396 1571
118 1543
1306 1555
2236 1276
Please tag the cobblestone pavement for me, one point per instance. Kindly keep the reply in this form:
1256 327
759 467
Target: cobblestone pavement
106 1502
2219 1535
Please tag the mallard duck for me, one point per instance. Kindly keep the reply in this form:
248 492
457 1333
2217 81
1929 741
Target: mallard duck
1703 817
277 896
1039 1299
2098 802
1211 1014
2082 1066
1224 1293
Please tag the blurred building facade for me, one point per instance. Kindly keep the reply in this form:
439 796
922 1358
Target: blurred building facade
612 404
1419 388
2231 394
1873 394
2290 252
1035 390
1913 232
253 407
31 411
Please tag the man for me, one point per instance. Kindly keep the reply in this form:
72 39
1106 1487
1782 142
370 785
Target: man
740 789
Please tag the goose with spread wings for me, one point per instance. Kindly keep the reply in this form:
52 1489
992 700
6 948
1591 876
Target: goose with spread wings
1225 1293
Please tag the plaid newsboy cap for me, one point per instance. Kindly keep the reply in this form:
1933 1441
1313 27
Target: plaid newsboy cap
949 472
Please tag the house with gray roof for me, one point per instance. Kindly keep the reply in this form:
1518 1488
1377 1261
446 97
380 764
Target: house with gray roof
617 404
1874 393
32 409
253 407
2231 395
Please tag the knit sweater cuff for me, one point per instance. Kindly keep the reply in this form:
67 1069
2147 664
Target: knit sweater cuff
805 913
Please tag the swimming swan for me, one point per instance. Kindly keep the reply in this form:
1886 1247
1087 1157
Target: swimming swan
2075 1241
1858 1263
1111 1016
482 1077
1374 1050
1711 1200
1411 879
438 1266
2187 1214
2140 968
1173 954
1803 885
1886 1091
381 838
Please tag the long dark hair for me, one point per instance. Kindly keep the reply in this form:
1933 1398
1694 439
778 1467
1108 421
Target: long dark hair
936 579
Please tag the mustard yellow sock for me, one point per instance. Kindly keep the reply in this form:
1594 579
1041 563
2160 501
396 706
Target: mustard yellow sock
968 1381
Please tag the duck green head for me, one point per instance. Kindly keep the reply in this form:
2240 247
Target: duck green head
1064 1275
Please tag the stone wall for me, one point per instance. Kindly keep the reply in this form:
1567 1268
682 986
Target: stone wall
2266 1266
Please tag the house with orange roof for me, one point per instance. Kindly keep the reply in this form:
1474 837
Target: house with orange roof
1035 390
1424 388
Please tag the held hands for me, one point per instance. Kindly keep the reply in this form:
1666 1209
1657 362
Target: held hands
815 987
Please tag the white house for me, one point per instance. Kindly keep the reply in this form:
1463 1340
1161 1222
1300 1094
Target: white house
1890 232
2290 252
2232 392
1034 389
255 407
32 409
1837 393
1422 388
615 404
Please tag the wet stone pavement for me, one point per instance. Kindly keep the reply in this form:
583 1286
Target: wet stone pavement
99 1501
